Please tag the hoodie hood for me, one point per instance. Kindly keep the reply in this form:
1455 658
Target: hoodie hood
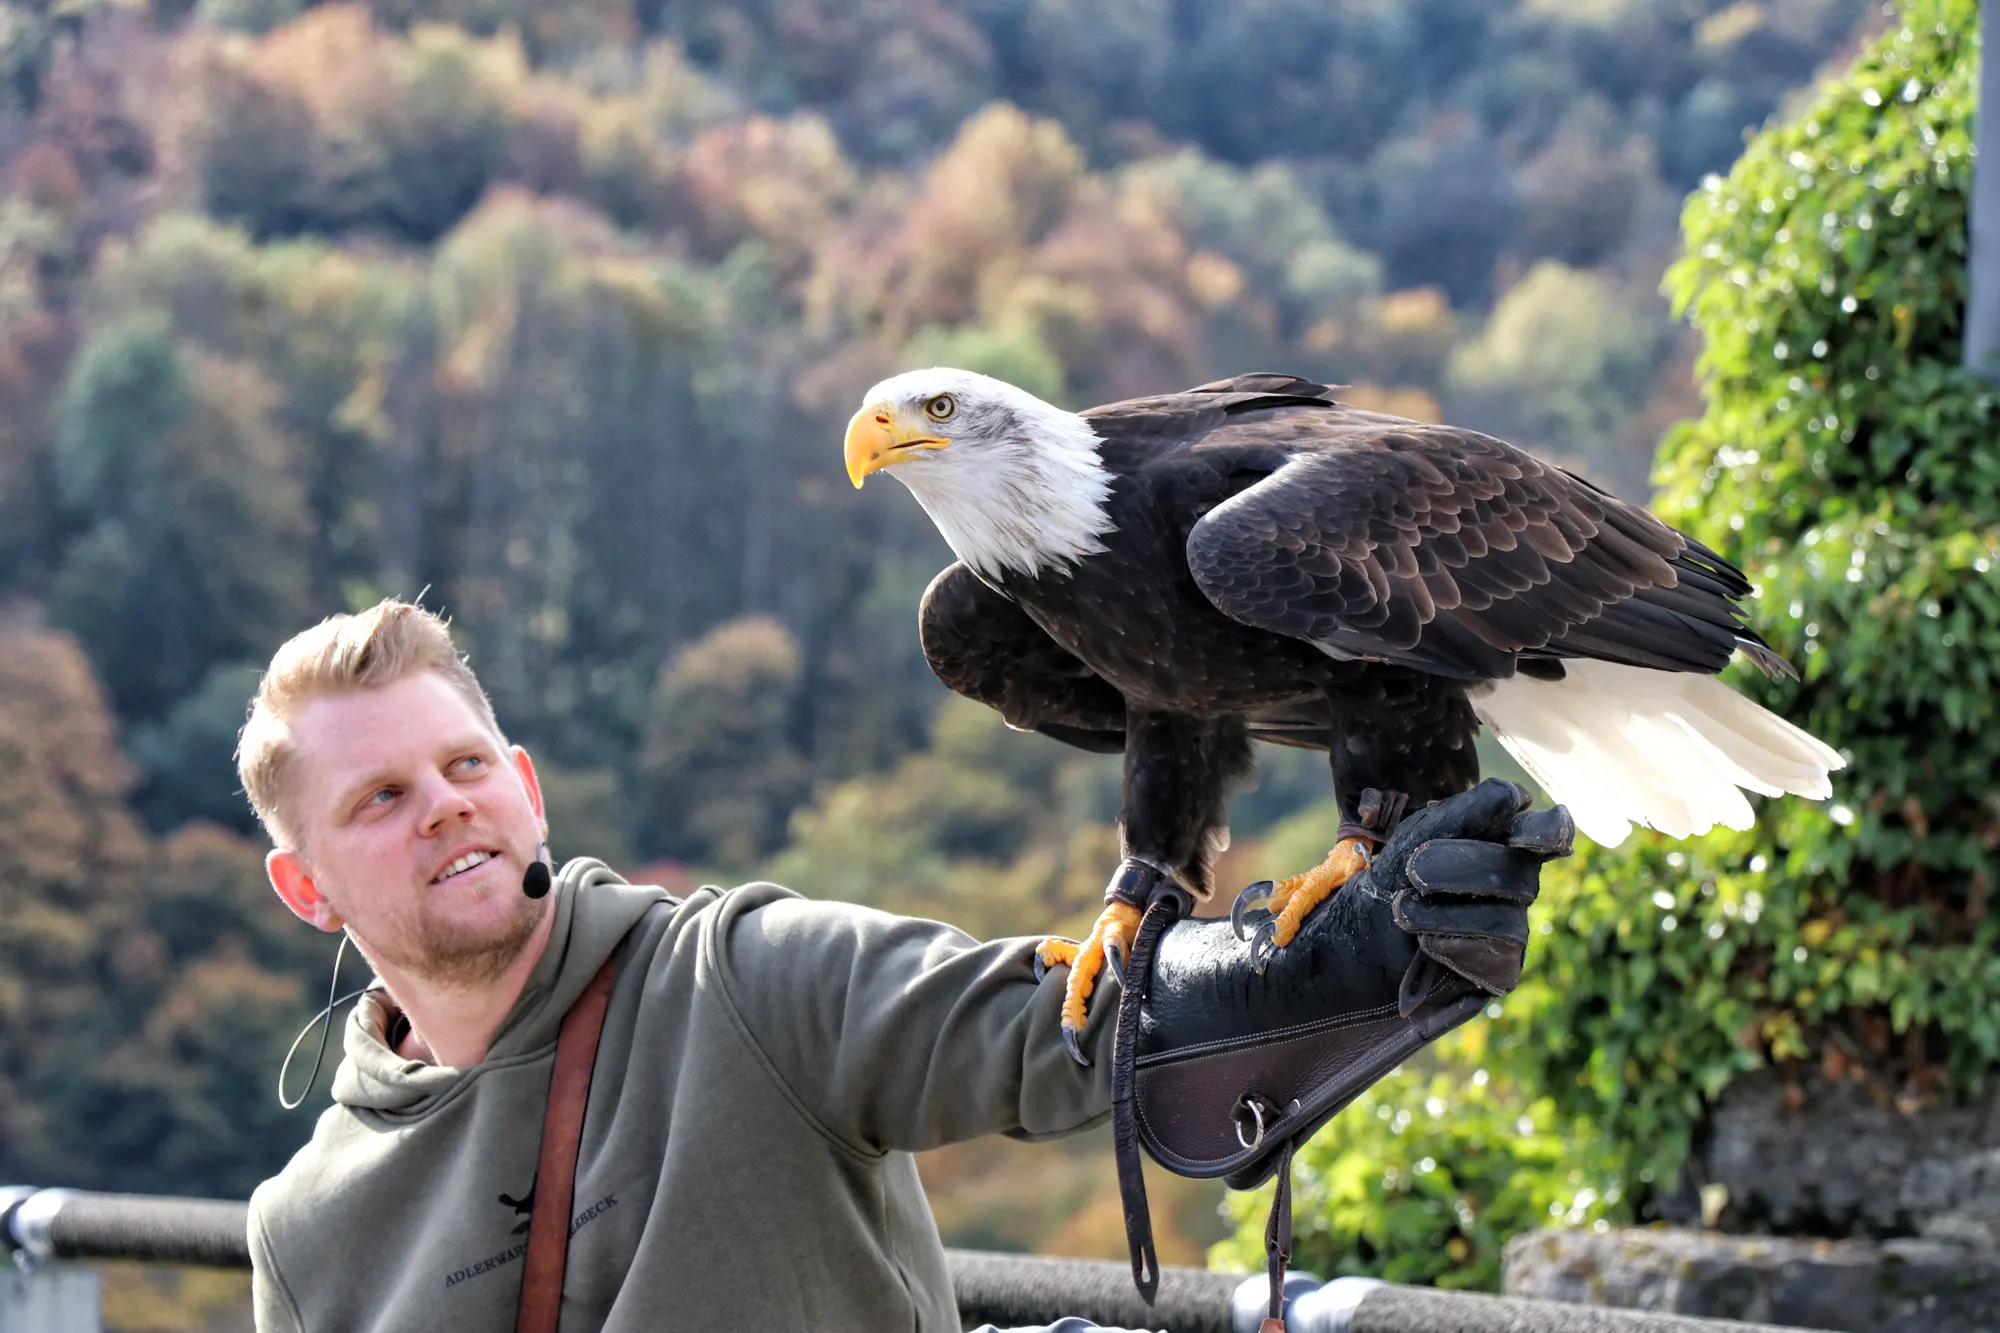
594 909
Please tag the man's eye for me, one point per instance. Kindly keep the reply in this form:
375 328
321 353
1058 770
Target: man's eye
469 762
383 797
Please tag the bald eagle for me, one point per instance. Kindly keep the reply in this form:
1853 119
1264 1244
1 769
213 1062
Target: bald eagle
1175 577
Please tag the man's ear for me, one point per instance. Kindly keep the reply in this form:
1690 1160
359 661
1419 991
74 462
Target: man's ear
525 768
295 886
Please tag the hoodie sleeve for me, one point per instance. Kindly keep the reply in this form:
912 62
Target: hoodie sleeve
271 1301
898 1033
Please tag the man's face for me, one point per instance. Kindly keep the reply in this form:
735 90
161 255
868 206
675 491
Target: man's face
416 826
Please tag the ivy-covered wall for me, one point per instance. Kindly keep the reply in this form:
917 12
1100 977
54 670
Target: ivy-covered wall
1850 464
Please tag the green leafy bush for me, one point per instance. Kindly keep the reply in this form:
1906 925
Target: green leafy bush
1845 459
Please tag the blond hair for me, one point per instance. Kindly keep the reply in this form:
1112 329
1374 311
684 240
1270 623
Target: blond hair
340 655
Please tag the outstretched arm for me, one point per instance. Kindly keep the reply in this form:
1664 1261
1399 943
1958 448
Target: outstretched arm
898 1033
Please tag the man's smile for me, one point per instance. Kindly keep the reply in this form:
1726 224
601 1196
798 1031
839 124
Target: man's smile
463 863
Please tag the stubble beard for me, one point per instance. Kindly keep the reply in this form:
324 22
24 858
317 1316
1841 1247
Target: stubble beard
459 957
456 957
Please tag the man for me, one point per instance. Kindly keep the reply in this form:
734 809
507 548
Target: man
767 1067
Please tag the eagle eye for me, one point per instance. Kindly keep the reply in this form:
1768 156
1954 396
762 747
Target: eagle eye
941 408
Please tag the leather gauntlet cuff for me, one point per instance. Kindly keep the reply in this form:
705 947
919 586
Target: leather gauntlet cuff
1225 1105
1221 1068
1231 1065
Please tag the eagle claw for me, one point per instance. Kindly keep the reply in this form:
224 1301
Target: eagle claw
1247 912
1114 958
1264 946
1248 923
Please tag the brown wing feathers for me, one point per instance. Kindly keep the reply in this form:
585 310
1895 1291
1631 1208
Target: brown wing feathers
1452 551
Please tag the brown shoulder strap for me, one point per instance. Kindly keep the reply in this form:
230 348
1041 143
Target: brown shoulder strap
555 1173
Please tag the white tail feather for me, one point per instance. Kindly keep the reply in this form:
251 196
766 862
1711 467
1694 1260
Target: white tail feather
1623 745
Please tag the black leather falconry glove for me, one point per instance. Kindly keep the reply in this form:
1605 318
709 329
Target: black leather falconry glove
1230 1069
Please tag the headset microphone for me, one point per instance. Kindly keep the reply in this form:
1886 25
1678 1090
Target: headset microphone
535 883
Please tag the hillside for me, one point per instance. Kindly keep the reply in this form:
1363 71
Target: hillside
552 314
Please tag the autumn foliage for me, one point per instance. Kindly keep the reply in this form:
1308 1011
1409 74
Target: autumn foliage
551 315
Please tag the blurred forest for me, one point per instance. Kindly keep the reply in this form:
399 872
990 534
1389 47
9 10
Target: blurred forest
551 314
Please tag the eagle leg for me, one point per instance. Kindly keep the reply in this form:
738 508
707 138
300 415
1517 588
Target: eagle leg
1274 911
1110 940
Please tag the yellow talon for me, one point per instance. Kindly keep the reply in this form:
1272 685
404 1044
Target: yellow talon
1292 898
1055 952
1118 922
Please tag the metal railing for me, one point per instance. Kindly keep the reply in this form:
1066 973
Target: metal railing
37 1226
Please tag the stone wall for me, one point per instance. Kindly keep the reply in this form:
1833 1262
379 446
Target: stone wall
1913 1191
1846 1162
1897 1286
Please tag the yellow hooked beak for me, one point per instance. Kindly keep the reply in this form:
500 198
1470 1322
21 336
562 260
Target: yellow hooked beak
877 438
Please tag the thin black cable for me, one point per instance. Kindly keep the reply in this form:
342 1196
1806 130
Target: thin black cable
333 1002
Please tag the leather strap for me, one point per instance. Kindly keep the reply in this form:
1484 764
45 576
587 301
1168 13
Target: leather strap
1278 1242
555 1170
1166 903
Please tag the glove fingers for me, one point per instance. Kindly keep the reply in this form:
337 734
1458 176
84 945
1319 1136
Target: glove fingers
1493 965
1486 811
1483 812
1424 917
1462 868
1549 833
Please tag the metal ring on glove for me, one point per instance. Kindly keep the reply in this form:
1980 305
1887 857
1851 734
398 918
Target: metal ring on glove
1256 1108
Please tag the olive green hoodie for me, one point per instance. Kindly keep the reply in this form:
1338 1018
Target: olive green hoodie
767 1067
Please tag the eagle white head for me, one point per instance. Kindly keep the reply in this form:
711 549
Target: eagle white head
1014 484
